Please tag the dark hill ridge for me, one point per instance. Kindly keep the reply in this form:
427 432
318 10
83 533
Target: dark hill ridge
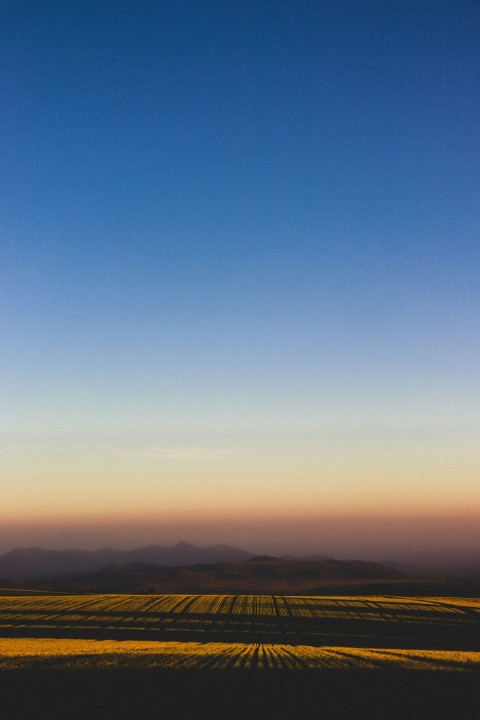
262 574
37 563
330 569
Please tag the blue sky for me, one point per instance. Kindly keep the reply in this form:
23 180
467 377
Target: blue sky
237 230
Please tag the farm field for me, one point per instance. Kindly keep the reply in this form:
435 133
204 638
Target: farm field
389 622
229 656
20 653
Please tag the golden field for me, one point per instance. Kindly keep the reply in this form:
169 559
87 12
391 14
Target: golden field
371 621
257 656
28 652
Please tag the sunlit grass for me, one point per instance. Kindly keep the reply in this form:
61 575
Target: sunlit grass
272 621
13 607
30 652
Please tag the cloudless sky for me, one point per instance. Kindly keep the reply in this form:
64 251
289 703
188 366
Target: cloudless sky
239 259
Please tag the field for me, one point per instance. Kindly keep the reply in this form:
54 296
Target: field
418 623
148 654
238 656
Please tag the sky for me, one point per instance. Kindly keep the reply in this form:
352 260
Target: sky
239 264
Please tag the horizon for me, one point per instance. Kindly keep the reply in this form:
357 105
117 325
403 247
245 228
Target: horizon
422 541
239 270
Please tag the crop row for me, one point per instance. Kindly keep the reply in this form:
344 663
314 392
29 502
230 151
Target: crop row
217 655
249 618
254 606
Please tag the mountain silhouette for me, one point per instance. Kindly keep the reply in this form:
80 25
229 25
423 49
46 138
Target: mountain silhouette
35 562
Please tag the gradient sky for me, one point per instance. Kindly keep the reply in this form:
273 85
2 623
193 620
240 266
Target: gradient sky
239 264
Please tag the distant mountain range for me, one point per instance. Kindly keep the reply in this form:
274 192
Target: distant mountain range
181 568
35 562
185 568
